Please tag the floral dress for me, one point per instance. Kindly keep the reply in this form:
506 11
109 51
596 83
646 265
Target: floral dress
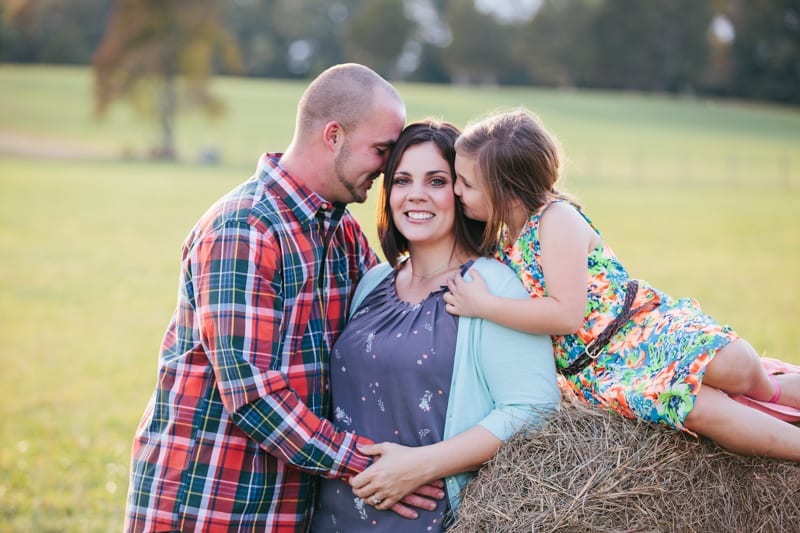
653 366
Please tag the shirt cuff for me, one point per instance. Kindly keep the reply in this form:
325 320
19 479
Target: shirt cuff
354 462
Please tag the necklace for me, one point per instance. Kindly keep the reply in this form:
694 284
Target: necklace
429 275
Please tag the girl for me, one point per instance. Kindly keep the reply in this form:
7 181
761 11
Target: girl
619 342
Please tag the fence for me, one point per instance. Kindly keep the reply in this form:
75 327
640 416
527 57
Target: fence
778 171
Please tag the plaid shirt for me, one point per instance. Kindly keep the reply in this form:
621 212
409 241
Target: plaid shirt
234 434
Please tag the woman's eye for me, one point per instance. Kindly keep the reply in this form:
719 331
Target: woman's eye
399 180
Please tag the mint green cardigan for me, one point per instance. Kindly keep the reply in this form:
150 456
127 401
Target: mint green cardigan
503 379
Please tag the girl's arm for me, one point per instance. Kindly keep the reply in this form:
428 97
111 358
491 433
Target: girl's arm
566 240
514 376
399 470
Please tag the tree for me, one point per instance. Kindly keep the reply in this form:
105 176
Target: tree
479 50
657 45
554 45
151 45
376 33
311 33
250 21
766 49
52 31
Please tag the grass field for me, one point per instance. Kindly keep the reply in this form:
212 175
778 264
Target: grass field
699 198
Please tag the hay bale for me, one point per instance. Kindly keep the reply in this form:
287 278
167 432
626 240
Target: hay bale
588 470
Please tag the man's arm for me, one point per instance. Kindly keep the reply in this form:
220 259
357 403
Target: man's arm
240 312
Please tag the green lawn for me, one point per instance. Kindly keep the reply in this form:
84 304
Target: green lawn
699 198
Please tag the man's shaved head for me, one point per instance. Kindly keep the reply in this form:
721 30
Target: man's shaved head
343 93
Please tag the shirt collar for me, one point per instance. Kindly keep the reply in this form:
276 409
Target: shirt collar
306 204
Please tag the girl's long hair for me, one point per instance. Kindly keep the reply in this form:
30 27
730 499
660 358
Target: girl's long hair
517 159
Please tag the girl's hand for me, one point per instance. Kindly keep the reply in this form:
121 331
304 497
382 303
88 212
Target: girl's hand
466 298
397 473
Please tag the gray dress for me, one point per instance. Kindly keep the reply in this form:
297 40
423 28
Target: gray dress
390 380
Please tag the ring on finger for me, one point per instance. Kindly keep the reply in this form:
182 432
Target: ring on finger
375 500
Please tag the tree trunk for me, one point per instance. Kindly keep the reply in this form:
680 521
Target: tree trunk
167 112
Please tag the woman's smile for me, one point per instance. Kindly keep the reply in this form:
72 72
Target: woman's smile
420 215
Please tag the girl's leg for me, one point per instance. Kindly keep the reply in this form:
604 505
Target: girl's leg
742 429
737 369
790 389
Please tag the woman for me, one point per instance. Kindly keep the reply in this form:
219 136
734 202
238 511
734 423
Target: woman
443 393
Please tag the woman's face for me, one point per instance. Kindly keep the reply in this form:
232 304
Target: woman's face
469 188
421 196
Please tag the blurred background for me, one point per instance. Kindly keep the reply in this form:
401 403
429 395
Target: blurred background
735 48
122 121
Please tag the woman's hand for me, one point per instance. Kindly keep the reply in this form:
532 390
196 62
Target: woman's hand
399 474
466 298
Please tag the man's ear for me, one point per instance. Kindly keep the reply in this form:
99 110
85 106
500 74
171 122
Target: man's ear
333 135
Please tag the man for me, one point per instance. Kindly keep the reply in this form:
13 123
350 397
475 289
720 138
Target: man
235 434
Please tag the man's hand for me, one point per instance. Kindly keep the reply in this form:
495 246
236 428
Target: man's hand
423 498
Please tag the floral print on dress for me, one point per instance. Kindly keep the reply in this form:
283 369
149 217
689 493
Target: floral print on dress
653 367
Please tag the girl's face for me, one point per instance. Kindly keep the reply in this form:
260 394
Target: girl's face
469 188
421 196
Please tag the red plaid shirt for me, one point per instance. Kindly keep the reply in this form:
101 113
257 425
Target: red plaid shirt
234 434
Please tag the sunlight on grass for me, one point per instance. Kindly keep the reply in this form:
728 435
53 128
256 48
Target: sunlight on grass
90 249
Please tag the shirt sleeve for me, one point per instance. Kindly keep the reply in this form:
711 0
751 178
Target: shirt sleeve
237 276
519 371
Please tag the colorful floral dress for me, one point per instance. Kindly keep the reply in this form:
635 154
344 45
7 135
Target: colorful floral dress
652 367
